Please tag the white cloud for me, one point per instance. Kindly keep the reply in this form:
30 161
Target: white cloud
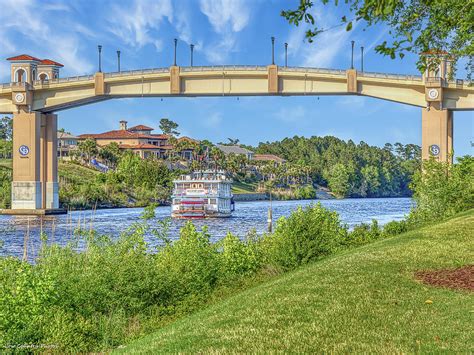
227 18
225 14
134 24
326 46
27 28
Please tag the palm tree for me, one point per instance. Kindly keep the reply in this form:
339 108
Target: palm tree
217 157
88 148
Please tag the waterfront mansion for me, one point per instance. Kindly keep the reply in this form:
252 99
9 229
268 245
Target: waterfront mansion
140 140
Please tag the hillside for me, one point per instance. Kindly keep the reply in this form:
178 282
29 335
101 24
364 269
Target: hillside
363 300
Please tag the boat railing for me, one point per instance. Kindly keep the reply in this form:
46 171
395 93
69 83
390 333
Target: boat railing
183 192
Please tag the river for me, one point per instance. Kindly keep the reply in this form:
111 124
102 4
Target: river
247 216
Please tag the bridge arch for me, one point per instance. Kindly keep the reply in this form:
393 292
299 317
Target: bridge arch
35 122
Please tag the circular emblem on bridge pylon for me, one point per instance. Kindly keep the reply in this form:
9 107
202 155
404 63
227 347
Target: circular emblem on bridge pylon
434 150
19 97
24 150
433 94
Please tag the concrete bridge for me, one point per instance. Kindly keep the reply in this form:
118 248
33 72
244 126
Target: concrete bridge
33 104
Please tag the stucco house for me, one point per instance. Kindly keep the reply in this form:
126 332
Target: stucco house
140 140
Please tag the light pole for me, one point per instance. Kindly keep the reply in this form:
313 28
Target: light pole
118 61
286 54
273 50
192 50
175 45
99 47
352 55
362 58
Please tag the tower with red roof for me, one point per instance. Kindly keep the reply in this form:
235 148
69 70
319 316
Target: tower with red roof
28 69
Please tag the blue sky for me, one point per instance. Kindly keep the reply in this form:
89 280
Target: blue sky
224 32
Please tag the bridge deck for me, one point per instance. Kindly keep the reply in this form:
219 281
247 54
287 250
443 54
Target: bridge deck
232 80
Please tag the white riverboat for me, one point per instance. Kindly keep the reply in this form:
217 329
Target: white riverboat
202 194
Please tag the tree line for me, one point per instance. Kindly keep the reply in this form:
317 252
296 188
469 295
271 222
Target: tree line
349 169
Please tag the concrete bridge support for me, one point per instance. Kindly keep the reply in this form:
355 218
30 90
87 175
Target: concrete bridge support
437 133
35 182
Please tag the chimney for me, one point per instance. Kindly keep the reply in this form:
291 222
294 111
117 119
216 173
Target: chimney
123 125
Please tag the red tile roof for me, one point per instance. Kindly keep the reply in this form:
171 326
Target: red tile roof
268 157
51 62
31 58
114 135
23 57
139 146
159 136
140 127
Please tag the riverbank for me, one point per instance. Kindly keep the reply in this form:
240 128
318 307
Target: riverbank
340 304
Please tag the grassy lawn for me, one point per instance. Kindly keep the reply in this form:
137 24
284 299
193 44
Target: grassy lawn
363 300
243 187
76 172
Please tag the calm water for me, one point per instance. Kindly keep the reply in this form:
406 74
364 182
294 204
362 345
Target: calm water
248 215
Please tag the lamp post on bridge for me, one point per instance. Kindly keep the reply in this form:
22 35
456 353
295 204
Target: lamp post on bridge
286 55
362 58
99 47
175 45
118 61
273 50
191 46
352 55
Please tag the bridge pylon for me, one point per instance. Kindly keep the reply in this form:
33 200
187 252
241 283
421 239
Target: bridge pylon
35 162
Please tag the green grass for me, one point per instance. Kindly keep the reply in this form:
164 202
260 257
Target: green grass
243 187
362 300
76 172
66 169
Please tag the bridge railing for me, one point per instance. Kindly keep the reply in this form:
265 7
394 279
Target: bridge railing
390 76
16 85
224 68
45 83
312 70
136 72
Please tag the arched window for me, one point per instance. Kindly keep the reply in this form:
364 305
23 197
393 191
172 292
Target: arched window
43 77
20 76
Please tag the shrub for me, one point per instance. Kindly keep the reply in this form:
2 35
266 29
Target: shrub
364 233
239 257
190 263
307 234
442 189
395 227
25 295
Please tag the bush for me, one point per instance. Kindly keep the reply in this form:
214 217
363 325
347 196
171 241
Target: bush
442 189
239 257
5 188
395 228
364 233
306 235
25 296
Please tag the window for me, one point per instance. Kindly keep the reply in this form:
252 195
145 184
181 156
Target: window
20 76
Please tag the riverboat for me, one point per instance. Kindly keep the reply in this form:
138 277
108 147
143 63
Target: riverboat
202 194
